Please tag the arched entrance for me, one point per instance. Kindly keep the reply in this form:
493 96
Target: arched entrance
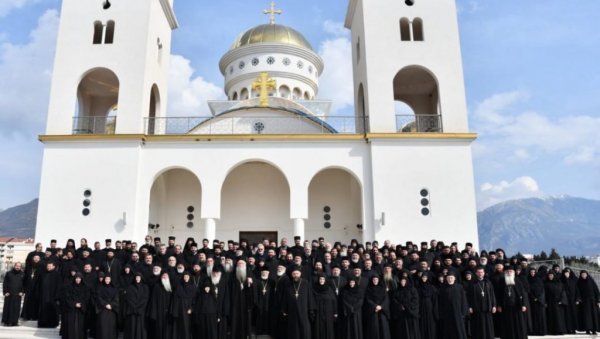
98 97
255 197
175 200
334 206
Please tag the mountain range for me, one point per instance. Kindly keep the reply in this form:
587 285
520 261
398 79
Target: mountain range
570 225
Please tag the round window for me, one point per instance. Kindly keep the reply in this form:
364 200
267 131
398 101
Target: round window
424 192
190 209
327 225
85 212
425 211
270 60
287 61
190 224
300 64
255 62
242 65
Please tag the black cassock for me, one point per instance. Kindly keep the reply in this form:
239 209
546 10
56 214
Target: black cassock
160 322
377 325
556 300
73 324
50 287
428 310
405 313
265 296
280 327
352 304
453 308
326 308
106 320
298 304
183 300
136 300
588 319
337 285
481 298
572 298
537 302
13 286
211 310
511 299
31 304
242 302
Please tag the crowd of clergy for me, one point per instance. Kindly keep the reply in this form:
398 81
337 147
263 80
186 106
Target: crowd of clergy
304 290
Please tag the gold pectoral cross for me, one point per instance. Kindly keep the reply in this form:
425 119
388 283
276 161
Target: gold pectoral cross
263 84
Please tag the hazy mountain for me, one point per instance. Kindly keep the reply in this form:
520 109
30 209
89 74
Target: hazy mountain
19 221
571 225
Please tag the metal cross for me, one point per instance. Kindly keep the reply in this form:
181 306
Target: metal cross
263 84
272 12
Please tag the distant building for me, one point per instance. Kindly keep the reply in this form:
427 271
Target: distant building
14 250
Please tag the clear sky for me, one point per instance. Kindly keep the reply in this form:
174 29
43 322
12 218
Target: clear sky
532 77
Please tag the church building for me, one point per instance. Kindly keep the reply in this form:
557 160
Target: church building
271 161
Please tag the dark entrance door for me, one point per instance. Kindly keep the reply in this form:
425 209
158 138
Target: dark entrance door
258 237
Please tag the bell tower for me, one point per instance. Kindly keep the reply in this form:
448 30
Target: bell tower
111 66
408 74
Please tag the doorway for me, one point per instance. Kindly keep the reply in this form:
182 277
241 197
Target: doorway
258 237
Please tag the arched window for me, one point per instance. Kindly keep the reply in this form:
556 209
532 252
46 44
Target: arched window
416 97
244 94
306 95
154 109
98 30
98 97
110 32
297 94
404 29
284 91
418 30
235 96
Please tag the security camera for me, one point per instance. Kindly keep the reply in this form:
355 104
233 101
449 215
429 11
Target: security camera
409 2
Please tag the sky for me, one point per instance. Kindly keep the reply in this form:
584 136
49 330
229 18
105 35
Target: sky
531 72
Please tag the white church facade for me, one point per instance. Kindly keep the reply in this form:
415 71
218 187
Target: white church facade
270 161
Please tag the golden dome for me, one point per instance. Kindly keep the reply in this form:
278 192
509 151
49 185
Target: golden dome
271 33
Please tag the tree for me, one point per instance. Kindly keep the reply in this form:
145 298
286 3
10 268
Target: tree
554 255
543 256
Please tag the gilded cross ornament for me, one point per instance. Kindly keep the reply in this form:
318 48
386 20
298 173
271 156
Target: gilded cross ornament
263 84
272 12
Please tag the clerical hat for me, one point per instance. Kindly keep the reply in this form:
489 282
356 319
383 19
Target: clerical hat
171 238
296 268
264 268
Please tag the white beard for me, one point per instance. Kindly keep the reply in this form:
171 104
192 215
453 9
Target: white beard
240 274
280 273
209 270
509 280
215 280
228 268
166 284
387 277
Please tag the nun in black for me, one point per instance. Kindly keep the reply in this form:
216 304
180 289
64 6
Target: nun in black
107 307
377 310
182 307
352 300
136 299
323 326
76 298
537 301
589 295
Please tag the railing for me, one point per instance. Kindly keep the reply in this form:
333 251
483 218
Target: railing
253 125
576 268
94 125
419 123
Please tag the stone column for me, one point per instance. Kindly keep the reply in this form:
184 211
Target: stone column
210 230
299 228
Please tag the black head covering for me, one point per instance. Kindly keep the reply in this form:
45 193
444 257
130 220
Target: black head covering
107 291
376 293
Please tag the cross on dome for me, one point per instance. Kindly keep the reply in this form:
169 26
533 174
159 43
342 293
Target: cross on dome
272 12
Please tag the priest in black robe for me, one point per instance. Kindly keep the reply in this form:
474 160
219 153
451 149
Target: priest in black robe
352 304
182 307
326 309
107 307
12 290
556 300
589 318
241 289
482 305
265 297
212 307
136 300
453 308
160 322
428 307
537 303
404 306
31 304
298 306
281 282
50 286
512 303
76 299
377 310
